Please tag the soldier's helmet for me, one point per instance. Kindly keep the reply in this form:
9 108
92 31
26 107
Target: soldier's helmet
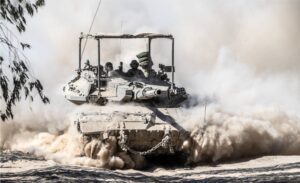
134 64
145 59
109 66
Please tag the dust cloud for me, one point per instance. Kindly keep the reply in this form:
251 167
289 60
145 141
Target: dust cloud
67 145
246 114
240 58
232 136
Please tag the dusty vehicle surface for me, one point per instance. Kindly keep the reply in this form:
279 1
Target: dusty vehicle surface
138 106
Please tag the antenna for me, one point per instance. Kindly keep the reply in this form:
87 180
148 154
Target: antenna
91 27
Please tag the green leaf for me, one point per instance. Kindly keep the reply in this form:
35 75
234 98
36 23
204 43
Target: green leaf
25 45
40 3
29 9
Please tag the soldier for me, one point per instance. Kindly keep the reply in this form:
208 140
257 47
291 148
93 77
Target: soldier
134 71
147 69
146 64
87 65
109 69
109 66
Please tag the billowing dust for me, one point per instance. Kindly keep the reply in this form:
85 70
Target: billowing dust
67 147
228 136
222 136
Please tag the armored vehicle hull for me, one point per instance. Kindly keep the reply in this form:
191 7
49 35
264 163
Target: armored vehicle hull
139 130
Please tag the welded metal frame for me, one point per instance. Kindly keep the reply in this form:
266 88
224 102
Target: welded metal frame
148 36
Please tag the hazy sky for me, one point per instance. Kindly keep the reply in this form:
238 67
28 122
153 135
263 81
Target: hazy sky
263 34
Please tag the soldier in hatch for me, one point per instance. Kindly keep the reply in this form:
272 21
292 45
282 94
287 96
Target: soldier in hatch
134 71
87 65
146 64
109 69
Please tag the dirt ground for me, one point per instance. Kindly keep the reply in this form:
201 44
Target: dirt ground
18 166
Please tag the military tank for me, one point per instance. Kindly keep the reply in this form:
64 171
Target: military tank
139 106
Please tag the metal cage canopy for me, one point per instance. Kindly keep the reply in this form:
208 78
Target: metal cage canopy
129 36
148 36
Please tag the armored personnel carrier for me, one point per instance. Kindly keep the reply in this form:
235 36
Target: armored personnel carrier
139 106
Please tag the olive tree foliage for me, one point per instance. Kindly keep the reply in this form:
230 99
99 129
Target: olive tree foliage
16 79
